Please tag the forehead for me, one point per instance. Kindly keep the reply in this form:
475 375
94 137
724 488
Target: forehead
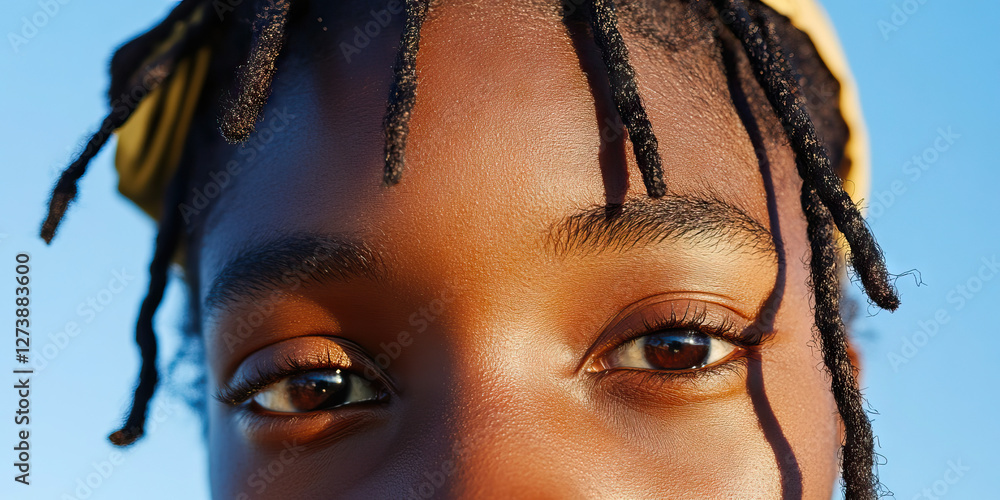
513 127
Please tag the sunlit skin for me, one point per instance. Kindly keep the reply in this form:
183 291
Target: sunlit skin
506 386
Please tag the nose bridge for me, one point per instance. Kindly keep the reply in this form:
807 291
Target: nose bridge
502 403
511 431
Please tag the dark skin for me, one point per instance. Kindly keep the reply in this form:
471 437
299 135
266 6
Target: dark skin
515 377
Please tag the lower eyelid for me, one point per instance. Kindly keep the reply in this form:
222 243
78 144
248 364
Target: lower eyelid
735 362
652 388
326 426
735 355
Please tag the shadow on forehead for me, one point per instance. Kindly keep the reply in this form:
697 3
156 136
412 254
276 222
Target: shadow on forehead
343 29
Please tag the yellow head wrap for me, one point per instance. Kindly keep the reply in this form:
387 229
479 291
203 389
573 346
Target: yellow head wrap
811 19
152 140
150 143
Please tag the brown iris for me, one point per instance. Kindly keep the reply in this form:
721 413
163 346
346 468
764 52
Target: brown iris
319 389
676 350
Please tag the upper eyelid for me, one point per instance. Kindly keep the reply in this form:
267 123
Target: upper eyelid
726 332
748 339
720 332
614 334
238 389
236 393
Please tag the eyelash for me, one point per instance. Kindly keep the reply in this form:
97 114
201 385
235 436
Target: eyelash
726 330
244 390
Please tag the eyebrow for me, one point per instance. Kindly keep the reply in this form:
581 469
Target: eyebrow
643 222
288 262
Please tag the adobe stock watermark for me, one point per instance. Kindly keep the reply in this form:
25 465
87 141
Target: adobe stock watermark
436 477
223 7
959 296
264 307
87 311
419 322
87 485
123 106
901 14
260 479
380 20
956 470
914 169
218 180
30 26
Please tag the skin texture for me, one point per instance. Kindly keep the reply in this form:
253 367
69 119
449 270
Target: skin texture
499 390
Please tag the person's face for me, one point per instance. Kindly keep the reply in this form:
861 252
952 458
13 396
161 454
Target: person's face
498 332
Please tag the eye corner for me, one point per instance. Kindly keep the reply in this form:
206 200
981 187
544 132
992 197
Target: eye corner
236 393
229 397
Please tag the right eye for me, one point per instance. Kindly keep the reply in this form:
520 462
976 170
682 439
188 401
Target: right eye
316 390
671 350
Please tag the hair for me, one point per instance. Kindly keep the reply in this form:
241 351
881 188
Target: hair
762 36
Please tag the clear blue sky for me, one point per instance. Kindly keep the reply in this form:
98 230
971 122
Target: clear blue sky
935 71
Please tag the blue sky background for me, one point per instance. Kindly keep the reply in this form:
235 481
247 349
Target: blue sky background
938 70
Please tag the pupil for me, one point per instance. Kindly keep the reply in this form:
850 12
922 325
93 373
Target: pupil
677 351
311 391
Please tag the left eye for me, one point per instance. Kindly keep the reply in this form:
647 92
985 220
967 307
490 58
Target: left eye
673 350
316 390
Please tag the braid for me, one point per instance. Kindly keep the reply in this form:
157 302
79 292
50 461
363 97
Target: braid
403 92
167 240
129 85
625 93
822 189
253 80
764 50
859 448
65 189
126 83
